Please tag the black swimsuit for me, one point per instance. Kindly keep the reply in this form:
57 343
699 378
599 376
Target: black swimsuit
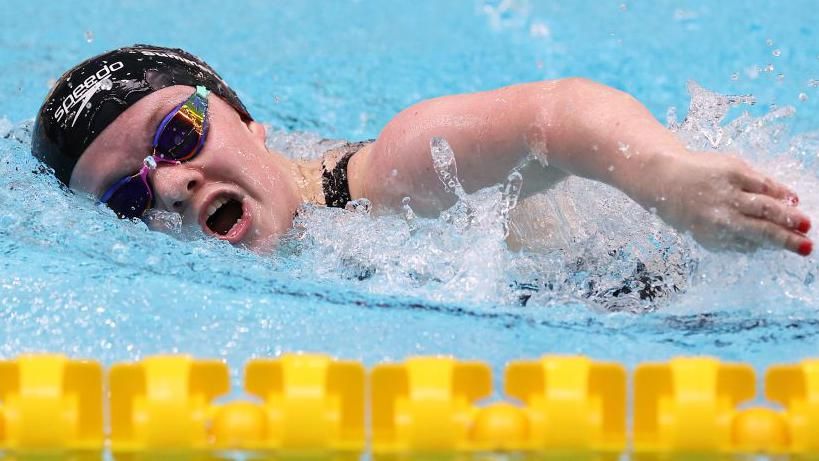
334 179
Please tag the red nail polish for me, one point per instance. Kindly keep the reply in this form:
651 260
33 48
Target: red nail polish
804 227
805 248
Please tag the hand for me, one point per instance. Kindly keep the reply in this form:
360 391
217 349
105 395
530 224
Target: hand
726 204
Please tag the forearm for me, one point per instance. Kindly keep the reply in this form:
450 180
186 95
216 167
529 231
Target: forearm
575 126
603 134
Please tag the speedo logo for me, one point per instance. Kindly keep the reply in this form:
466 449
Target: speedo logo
85 90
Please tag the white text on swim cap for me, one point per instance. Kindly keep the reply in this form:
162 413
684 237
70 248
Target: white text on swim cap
85 90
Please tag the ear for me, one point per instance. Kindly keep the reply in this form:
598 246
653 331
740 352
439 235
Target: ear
257 130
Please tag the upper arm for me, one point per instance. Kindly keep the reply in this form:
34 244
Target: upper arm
491 133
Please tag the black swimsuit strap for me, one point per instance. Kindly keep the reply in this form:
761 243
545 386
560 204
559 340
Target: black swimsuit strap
334 180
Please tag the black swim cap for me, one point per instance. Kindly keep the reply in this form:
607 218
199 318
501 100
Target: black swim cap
87 98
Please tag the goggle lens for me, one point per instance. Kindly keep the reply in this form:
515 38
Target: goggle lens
131 199
179 138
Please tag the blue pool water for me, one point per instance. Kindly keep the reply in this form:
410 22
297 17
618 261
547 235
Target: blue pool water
74 280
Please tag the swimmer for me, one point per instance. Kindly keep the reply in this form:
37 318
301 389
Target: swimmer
149 127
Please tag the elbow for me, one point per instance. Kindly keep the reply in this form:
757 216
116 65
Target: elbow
576 95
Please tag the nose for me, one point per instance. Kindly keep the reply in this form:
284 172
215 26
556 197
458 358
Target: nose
174 185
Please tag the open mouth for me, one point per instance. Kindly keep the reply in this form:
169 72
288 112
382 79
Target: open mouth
223 215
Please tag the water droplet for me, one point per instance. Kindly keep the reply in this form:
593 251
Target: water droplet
803 97
361 205
539 29
106 84
623 7
769 42
89 36
813 83
769 68
752 72
776 53
624 149
780 77
611 167
509 196
443 160
735 76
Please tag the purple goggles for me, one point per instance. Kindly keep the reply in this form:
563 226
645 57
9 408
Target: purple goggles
179 137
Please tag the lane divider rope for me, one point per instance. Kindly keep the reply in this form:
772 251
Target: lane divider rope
312 403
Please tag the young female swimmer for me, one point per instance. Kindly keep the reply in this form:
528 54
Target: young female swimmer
147 126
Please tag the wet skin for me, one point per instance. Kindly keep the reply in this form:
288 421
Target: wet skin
234 163
548 129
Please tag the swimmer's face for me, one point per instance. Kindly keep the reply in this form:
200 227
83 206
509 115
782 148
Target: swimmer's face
234 171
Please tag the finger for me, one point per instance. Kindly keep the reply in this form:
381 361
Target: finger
765 207
768 233
760 184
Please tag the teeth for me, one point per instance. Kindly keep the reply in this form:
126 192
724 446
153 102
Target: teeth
215 205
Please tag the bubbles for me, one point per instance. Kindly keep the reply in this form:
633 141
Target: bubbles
164 221
776 53
89 36
803 97
361 206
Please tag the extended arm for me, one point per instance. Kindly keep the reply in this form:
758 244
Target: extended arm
575 126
